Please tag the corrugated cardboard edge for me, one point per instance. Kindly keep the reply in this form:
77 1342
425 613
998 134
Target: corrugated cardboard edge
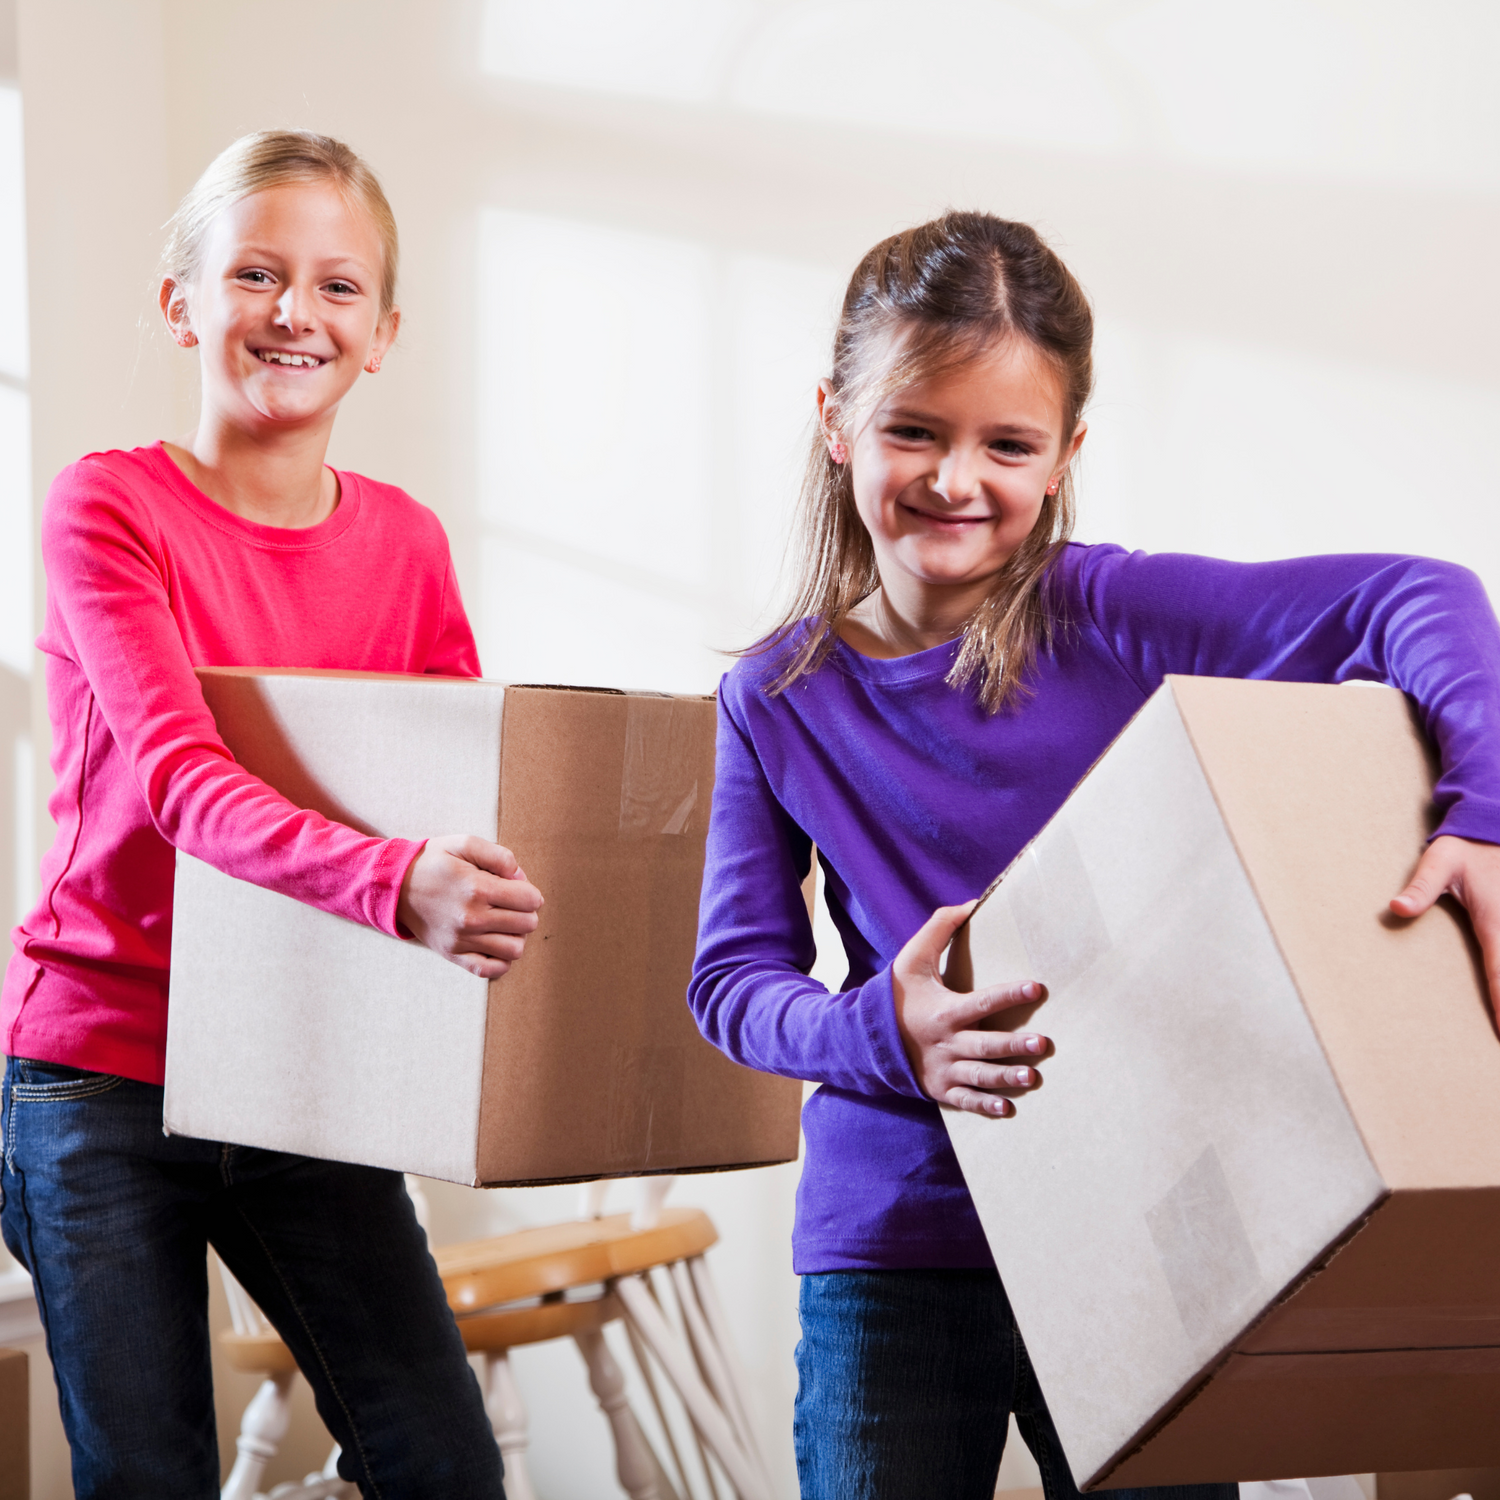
1286 963
634 1172
491 1006
1025 848
1176 1405
336 672
573 687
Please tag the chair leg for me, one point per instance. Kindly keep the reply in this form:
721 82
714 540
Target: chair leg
508 1418
734 1371
708 1417
634 1461
262 1428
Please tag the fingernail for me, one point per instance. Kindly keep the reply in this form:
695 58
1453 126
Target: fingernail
1031 989
1034 1044
1024 1077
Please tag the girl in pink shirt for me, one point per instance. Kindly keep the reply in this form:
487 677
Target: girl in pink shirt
235 547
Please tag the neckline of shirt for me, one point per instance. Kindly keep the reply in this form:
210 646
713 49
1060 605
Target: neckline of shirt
916 666
283 538
937 661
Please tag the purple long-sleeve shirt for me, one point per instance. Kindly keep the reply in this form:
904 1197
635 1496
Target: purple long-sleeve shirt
916 798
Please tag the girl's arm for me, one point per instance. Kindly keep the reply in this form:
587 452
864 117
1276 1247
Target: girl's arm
453 653
751 992
109 608
465 897
1420 625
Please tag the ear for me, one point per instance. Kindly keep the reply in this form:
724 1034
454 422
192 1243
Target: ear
1071 451
827 412
385 335
172 299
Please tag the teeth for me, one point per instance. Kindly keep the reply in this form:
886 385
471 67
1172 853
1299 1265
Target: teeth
279 357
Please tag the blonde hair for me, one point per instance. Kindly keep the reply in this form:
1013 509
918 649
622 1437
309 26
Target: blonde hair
270 159
922 303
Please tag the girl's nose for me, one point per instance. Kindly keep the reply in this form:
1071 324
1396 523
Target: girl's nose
292 310
957 476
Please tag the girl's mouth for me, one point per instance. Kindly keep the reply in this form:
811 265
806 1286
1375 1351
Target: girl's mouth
286 357
946 523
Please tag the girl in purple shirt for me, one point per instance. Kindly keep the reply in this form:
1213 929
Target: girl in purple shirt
950 668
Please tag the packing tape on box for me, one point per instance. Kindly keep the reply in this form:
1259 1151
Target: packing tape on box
645 1124
1048 878
1202 1247
1200 1239
658 786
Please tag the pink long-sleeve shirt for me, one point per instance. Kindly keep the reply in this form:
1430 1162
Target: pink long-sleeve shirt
147 578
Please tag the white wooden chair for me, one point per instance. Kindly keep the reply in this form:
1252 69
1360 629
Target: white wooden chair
645 1270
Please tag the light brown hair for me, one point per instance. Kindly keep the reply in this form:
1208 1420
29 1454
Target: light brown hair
922 303
270 159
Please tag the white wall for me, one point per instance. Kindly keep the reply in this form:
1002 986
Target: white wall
19 1326
626 225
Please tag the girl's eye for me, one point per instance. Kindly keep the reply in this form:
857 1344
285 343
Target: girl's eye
257 278
1010 448
342 289
910 434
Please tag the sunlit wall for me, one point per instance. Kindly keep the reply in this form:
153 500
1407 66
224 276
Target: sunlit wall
626 225
639 398
1213 430
17 873
17 779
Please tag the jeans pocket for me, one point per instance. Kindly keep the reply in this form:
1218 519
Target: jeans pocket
38 1082
32 1083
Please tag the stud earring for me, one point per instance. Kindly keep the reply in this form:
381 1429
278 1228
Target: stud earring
1052 488
186 339
374 365
838 452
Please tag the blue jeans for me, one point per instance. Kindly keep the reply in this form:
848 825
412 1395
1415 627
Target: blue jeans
113 1220
907 1380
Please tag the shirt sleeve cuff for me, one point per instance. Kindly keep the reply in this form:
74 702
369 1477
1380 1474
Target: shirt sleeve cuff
385 897
877 1013
1471 817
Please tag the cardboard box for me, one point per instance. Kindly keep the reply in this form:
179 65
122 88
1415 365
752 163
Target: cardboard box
15 1426
1250 1223
299 1031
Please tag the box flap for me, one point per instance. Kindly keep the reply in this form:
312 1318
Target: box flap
607 797
368 734
1422 1273
1266 1417
1326 793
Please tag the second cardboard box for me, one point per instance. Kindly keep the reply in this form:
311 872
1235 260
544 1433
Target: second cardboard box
1250 1224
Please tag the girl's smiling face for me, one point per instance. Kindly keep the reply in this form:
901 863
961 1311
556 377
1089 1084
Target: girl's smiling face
285 306
950 473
